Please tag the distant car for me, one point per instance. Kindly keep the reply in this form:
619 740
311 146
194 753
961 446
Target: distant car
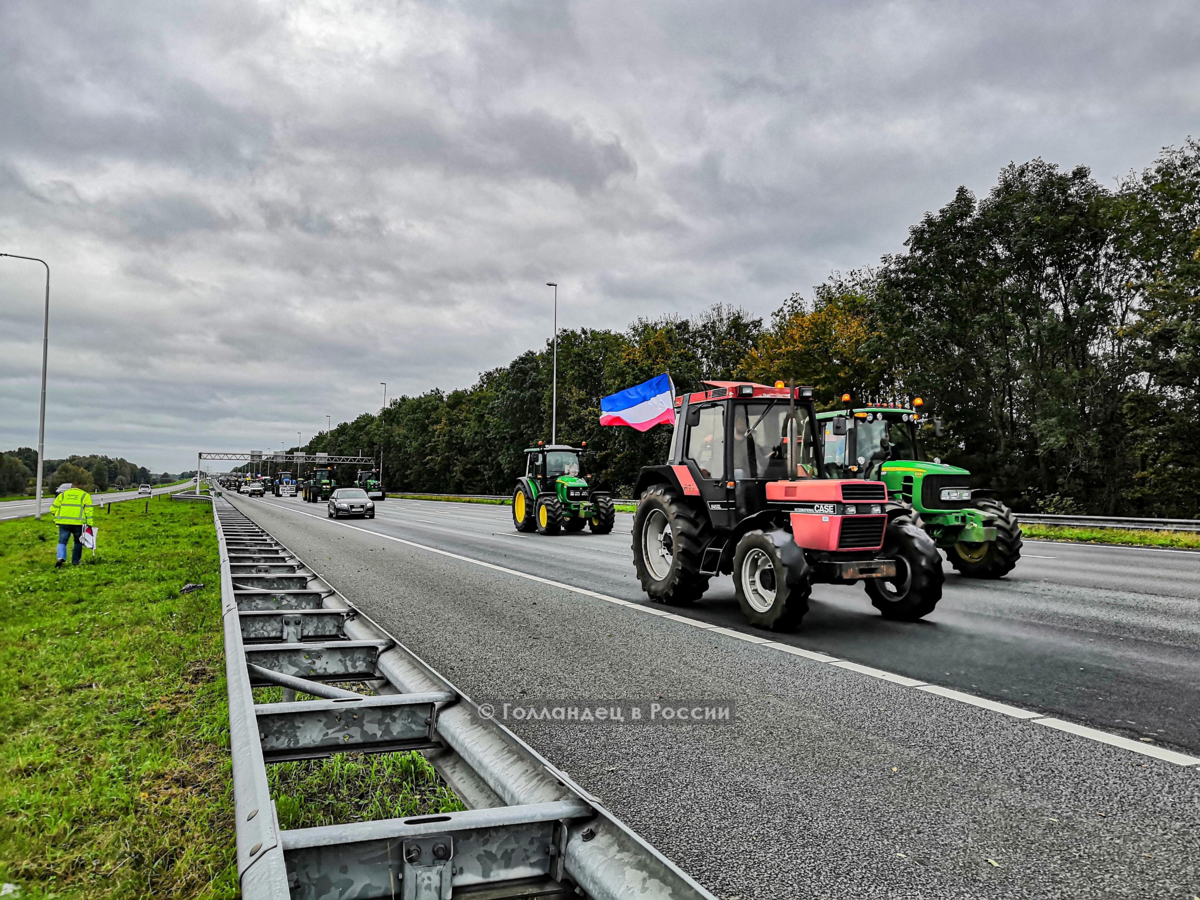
144 489
350 502
255 489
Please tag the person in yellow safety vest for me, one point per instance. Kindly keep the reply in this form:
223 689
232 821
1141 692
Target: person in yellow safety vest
72 510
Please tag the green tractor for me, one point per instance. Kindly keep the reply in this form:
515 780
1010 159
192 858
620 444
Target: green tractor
320 484
979 533
553 496
368 480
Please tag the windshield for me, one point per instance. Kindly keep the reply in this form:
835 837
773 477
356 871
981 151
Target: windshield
561 462
352 494
882 437
759 445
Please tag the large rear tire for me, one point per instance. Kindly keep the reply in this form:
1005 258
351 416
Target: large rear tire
603 515
772 580
548 513
668 541
522 511
993 559
917 587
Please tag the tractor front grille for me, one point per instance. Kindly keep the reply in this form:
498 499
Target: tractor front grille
576 494
861 532
865 491
933 485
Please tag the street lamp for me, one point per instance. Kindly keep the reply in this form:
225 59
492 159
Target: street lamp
328 425
42 406
554 388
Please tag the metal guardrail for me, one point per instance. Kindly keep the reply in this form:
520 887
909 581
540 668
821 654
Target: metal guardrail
529 831
1110 522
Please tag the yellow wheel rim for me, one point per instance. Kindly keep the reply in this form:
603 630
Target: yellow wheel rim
519 506
542 516
972 552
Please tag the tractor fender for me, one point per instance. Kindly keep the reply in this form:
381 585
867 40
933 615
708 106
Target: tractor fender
529 485
652 475
768 521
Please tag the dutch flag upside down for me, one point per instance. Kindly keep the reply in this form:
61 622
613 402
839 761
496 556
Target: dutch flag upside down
642 406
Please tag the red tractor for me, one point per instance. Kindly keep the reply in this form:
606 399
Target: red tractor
745 493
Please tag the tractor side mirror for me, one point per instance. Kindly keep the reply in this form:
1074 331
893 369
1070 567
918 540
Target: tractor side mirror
693 416
839 426
937 426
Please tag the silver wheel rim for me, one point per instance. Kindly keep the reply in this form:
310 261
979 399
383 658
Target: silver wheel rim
657 545
759 595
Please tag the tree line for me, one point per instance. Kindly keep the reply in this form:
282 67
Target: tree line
1053 326
18 472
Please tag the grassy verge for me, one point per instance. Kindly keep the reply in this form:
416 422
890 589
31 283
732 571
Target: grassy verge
1184 540
115 768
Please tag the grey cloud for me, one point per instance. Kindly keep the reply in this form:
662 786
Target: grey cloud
256 212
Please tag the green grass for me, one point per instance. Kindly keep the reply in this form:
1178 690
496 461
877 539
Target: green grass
114 743
1186 540
114 767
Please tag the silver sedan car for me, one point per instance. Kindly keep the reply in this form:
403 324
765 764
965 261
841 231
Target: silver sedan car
350 502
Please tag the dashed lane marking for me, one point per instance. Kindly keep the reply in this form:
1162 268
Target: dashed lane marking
1092 734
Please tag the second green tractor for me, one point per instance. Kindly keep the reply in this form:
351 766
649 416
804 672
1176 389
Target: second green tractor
553 495
979 534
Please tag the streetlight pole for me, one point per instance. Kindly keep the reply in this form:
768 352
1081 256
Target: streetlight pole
554 388
382 432
42 405
328 425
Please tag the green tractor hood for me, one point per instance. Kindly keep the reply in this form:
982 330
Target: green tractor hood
918 467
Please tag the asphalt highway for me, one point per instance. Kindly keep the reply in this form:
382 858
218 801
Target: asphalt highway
829 783
18 509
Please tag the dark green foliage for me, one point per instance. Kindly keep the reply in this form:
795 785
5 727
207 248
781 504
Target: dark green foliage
14 475
1054 325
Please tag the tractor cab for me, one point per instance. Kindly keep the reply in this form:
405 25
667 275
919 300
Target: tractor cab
554 493
320 484
858 443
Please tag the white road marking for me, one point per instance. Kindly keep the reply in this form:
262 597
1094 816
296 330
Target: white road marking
1031 556
1169 756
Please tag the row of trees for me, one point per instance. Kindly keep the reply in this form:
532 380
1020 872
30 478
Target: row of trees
18 470
1054 326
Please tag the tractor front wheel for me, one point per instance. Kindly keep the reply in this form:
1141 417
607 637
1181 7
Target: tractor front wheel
772 581
603 515
522 511
549 514
917 586
668 541
992 559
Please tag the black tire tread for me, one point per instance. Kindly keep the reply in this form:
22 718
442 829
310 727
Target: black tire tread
691 534
530 523
1007 549
554 516
604 519
928 577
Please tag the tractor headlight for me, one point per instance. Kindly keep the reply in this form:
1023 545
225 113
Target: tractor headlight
876 510
956 494
851 510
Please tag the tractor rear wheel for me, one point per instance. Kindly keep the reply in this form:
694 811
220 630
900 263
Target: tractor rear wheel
574 524
917 587
771 593
668 540
603 515
522 511
549 514
992 559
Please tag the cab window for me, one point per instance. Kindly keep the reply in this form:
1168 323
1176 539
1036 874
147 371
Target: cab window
706 442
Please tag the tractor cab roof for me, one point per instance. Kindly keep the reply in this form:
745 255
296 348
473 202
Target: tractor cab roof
881 409
554 447
725 390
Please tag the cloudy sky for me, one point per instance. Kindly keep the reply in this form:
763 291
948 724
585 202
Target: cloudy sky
257 211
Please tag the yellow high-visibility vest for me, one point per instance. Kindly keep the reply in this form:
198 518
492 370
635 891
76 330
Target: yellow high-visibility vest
72 507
